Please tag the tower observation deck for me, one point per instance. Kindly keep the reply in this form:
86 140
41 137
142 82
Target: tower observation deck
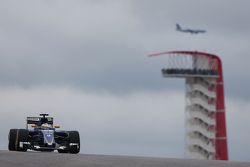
205 121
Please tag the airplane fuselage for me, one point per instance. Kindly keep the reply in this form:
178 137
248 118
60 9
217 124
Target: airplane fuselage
192 31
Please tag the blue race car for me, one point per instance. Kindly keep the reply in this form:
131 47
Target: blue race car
43 136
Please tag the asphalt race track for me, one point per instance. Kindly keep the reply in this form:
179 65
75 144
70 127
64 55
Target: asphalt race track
39 159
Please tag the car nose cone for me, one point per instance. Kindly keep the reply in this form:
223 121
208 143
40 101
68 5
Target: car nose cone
48 136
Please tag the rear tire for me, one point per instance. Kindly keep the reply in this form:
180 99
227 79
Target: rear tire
74 138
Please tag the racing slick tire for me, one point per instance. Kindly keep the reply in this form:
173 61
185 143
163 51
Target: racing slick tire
16 136
23 137
12 139
74 142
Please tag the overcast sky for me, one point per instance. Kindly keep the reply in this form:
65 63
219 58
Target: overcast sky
85 62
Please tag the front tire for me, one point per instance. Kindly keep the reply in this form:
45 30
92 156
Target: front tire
16 136
74 142
12 140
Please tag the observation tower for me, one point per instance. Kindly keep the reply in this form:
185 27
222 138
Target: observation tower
205 120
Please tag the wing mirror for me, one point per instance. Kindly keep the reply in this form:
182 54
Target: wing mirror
56 126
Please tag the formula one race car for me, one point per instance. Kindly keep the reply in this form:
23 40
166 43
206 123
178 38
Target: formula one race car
43 136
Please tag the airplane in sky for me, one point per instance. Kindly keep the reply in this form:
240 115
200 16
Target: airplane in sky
192 31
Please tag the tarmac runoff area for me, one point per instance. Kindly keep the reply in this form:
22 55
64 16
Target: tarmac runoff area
41 159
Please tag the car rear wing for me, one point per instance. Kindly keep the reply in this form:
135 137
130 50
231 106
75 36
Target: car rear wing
37 120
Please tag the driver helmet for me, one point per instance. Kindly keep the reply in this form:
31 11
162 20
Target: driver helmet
46 125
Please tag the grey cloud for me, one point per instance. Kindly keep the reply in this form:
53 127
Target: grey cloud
107 57
102 45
